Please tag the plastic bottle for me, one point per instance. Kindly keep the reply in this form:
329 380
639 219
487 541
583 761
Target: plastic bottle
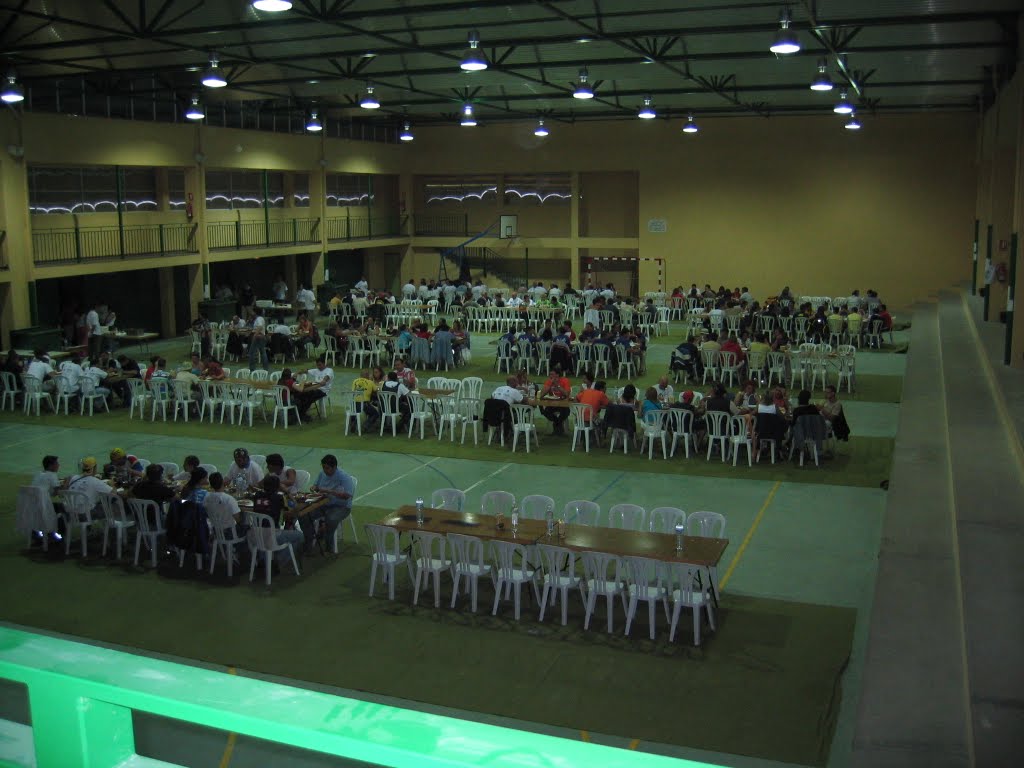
419 510
680 531
515 519
549 518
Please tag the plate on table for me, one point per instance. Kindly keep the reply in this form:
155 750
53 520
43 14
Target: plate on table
309 498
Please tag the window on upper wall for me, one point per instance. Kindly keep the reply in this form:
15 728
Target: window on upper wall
176 189
231 190
54 190
349 189
459 189
140 189
300 190
538 188
99 189
275 189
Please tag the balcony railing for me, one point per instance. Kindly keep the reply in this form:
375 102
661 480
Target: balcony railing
343 228
259 234
59 246
441 224
81 699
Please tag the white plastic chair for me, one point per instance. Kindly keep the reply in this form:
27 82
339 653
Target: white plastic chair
210 468
630 517
302 478
387 555
34 394
681 424
512 570
148 527
114 517
467 554
451 499
88 394
469 412
710 359
248 400
602 577
421 413
665 519
493 502
353 411
63 393
558 577
283 408
431 556
450 415
9 390
776 367
730 365
262 539
687 590
581 512
160 397
711 525
581 426
34 513
389 411
718 432
645 582
523 424
183 400
536 506
78 513
654 430
210 394
740 438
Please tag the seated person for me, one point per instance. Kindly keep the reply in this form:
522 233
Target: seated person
628 396
88 483
510 391
665 392
364 389
832 411
339 487
188 464
804 407
47 478
406 375
321 377
717 400
596 398
651 402
275 466
244 471
556 387
122 466
153 488
270 501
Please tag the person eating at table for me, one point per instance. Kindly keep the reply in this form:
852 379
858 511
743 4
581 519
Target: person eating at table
339 487
270 501
222 509
665 391
321 377
244 471
556 387
651 401
189 463
122 466
596 398
286 475
212 369
405 374
364 392
152 487
92 486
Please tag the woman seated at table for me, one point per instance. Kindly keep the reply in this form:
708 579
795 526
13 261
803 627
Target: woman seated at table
523 384
308 335
441 352
746 400
651 401
403 340
188 464
286 475
378 378
462 343
556 387
628 397
195 487
212 369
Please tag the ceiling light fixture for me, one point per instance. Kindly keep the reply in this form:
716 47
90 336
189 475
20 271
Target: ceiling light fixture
583 90
541 129
369 101
853 124
843 106
272 6
646 111
468 119
822 82
313 125
406 134
690 126
195 111
785 39
474 60
213 77
12 91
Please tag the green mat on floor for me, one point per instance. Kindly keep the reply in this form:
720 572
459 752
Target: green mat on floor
766 684
862 462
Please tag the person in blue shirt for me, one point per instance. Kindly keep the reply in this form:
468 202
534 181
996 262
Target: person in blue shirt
339 488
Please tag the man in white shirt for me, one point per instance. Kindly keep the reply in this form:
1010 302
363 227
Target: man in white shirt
89 484
409 290
306 300
47 477
362 285
539 291
221 508
609 292
279 290
92 323
746 295
71 370
41 369
477 290
555 292
258 357
508 392
244 471
321 377
513 300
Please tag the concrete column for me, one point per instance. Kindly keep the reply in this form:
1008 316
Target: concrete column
165 277
574 231
15 221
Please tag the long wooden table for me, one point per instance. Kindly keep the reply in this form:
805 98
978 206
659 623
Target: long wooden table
697 550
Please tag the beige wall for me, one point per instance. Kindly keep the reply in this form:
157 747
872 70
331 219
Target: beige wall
767 202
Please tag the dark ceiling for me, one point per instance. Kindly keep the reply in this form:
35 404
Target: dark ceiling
708 57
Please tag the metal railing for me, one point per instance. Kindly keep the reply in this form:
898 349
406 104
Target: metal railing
81 699
259 234
441 224
343 228
58 246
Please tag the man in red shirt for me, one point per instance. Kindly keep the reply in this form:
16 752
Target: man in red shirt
557 387
595 398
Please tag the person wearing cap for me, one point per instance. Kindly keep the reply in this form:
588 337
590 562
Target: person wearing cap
87 483
244 472
339 487
122 465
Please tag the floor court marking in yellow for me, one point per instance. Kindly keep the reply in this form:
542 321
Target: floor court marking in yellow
750 535
229 748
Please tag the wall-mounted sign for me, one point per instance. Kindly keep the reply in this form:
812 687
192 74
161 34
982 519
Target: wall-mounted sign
657 225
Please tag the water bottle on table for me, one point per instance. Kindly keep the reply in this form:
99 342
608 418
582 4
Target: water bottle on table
419 510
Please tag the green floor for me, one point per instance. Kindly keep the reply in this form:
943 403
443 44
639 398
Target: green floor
777 682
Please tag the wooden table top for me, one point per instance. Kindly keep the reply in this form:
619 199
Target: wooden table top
427 392
304 503
697 550
482 526
542 403
145 336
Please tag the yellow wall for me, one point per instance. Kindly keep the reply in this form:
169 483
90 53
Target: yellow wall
768 202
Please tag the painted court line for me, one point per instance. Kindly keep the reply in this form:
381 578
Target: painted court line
48 435
399 477
750 535
502 468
